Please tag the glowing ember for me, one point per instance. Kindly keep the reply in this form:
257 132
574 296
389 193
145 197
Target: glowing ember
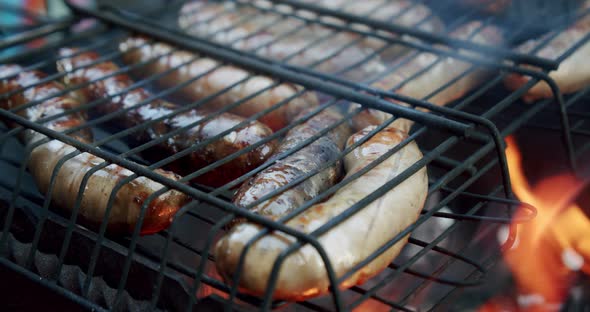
206 290
551 247
371 305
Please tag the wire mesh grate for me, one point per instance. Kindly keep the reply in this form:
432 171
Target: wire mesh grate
462 147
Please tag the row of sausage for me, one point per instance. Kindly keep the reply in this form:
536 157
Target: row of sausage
231 127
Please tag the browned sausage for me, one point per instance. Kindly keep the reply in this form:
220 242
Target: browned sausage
231 143
325 149
303 274
128 200
216 79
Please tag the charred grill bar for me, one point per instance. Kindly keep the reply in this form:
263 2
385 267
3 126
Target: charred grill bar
177 263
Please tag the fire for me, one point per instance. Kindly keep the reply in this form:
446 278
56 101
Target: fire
551 248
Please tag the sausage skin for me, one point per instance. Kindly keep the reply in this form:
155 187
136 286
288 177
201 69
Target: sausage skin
218 149
493 7
437 76
573 73
303 275
305 45
128 200
311 157
138 49
400 12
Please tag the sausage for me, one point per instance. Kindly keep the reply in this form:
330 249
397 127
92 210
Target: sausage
429 81
311 157
400 12
302 275
310 45
492 7
573 73
233 142
138 49
43 159
244 27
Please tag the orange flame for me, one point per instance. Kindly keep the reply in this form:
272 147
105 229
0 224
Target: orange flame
553 246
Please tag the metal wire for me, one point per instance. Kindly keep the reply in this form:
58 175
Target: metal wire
434 38
462 126
564 118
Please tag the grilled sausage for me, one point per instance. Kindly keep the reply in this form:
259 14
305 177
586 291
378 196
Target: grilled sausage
573 73
245 28
437 74
128 200
400 12
303 274
494 6
306 45
231 143
310 158
139 49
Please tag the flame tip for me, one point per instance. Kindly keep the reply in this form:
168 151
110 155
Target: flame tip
551 247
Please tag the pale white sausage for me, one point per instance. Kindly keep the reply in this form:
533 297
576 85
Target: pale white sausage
573 73
419 84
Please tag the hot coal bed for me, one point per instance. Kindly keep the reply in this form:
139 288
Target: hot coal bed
454 259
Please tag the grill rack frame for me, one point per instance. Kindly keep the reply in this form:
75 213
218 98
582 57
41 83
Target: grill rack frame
50 134
423 35
514 65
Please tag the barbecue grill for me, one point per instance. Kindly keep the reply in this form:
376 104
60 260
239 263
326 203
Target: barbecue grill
469 187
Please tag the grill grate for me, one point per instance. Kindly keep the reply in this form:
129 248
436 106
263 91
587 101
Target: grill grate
175 257
454 22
